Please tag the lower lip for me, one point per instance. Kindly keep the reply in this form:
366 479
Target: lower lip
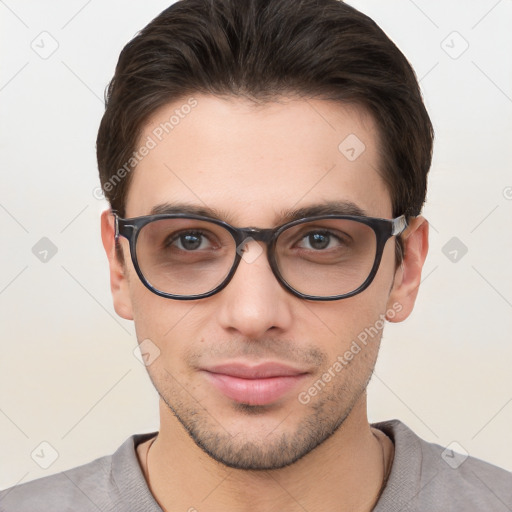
254 391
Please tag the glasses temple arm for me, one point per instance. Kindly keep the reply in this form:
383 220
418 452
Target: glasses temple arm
399 225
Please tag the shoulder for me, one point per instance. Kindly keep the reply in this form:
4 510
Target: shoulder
81 487
101 484
465 480
442 478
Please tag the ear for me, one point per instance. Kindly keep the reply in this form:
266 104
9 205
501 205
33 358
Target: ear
408 276
118 279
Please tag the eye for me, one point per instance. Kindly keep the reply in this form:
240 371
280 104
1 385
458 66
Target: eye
321 240
188 241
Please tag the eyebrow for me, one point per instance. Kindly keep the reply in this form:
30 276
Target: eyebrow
282 217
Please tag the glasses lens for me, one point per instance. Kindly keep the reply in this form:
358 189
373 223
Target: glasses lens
185 256
326 258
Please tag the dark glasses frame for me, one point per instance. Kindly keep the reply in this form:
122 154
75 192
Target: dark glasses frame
384 229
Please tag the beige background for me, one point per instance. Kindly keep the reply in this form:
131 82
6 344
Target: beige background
68 374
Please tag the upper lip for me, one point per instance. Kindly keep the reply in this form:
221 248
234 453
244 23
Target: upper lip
259 371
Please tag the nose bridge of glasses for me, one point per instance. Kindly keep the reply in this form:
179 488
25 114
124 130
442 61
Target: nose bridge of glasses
259 235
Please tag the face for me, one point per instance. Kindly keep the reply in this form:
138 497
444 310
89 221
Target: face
257 376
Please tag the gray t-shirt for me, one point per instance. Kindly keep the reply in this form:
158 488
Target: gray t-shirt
425 477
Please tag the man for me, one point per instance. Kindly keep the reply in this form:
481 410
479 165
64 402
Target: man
266 163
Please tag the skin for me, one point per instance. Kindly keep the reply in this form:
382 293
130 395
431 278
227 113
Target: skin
251 162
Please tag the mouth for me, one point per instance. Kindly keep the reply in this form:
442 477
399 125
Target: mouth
262 384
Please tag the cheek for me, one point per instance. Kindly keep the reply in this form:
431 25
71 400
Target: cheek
163 335
155 317
378 292
359 315
359 319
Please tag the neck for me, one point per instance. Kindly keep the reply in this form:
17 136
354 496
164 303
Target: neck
346 472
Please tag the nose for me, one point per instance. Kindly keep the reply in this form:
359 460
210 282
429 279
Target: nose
254 302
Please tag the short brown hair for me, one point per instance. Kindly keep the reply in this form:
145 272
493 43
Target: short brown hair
263 49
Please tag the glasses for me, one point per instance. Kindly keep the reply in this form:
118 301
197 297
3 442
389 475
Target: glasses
186 257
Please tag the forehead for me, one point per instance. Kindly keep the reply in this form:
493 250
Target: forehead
251 164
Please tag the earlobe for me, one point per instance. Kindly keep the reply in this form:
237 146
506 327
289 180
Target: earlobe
118 279
408 276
